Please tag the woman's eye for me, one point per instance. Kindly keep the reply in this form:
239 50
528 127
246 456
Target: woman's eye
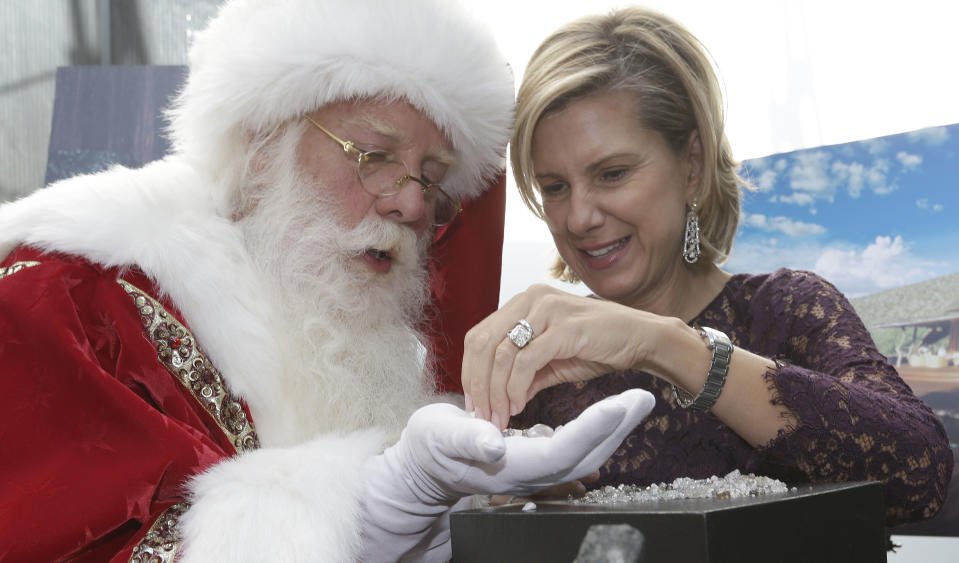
613 175
554 190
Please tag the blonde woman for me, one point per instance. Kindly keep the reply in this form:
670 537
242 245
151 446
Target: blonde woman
619 147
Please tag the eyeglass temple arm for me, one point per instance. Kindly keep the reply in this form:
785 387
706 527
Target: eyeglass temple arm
347 145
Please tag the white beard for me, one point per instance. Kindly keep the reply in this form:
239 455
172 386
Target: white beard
352 354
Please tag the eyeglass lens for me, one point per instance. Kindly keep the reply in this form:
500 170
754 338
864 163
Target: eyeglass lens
382 174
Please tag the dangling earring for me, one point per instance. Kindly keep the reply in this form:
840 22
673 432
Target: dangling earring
691 252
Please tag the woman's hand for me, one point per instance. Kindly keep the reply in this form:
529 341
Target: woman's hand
563 491
575 339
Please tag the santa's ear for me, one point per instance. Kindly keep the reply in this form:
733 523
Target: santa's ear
261 151
263 147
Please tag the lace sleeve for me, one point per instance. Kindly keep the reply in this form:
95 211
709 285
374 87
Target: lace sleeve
856 419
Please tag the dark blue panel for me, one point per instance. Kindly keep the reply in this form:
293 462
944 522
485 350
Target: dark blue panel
104 115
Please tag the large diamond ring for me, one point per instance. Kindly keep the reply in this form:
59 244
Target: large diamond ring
521 334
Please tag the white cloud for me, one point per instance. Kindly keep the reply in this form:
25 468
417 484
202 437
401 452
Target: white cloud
885 263
785 225
931 136
810 174
755 164
763 173
816 176
882 250
925 204
852 174
885 189
798 199
877 146
766 180
876 177
768 254
909 161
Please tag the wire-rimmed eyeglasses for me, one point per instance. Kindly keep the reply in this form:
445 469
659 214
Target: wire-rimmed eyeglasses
382 174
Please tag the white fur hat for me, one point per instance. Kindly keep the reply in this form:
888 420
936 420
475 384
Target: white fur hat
260 63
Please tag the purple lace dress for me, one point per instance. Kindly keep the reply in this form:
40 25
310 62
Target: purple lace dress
857 419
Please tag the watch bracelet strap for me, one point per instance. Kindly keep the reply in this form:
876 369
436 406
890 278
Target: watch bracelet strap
722 349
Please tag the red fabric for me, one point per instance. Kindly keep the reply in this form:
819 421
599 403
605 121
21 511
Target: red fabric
467 260
96 436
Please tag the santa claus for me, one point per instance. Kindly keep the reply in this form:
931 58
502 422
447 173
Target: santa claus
204 358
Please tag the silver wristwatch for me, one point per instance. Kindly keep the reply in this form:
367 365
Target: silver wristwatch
722 349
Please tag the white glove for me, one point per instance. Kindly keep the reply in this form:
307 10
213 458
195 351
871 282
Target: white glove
445 454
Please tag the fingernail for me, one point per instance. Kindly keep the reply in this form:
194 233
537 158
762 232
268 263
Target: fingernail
495 420
469 403
513 409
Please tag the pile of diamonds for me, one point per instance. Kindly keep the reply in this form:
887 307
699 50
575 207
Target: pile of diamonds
733 485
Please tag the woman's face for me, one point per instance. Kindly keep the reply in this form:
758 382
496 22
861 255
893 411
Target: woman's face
614 195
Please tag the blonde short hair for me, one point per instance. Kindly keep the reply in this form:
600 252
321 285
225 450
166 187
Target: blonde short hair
676 91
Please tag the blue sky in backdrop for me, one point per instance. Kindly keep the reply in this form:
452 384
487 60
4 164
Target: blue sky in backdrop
869 215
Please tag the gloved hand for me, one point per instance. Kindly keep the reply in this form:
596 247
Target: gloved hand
445 454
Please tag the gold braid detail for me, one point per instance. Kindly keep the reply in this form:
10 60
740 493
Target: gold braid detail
15 267
163 538
178 352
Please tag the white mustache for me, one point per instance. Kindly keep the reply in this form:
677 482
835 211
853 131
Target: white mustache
374 233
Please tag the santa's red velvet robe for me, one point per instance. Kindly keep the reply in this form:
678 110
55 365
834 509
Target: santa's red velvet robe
108 406
134 356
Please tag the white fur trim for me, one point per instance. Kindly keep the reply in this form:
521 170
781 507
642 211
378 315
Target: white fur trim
286 504
158 219
260 63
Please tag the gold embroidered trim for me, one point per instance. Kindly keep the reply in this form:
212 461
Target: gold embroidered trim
178 352
163 538
15 267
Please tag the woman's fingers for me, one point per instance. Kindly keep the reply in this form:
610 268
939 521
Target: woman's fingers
501 373
500 500
477 366
487 359
561 491
500 379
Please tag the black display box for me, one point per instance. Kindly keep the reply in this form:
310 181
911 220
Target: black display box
819 523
